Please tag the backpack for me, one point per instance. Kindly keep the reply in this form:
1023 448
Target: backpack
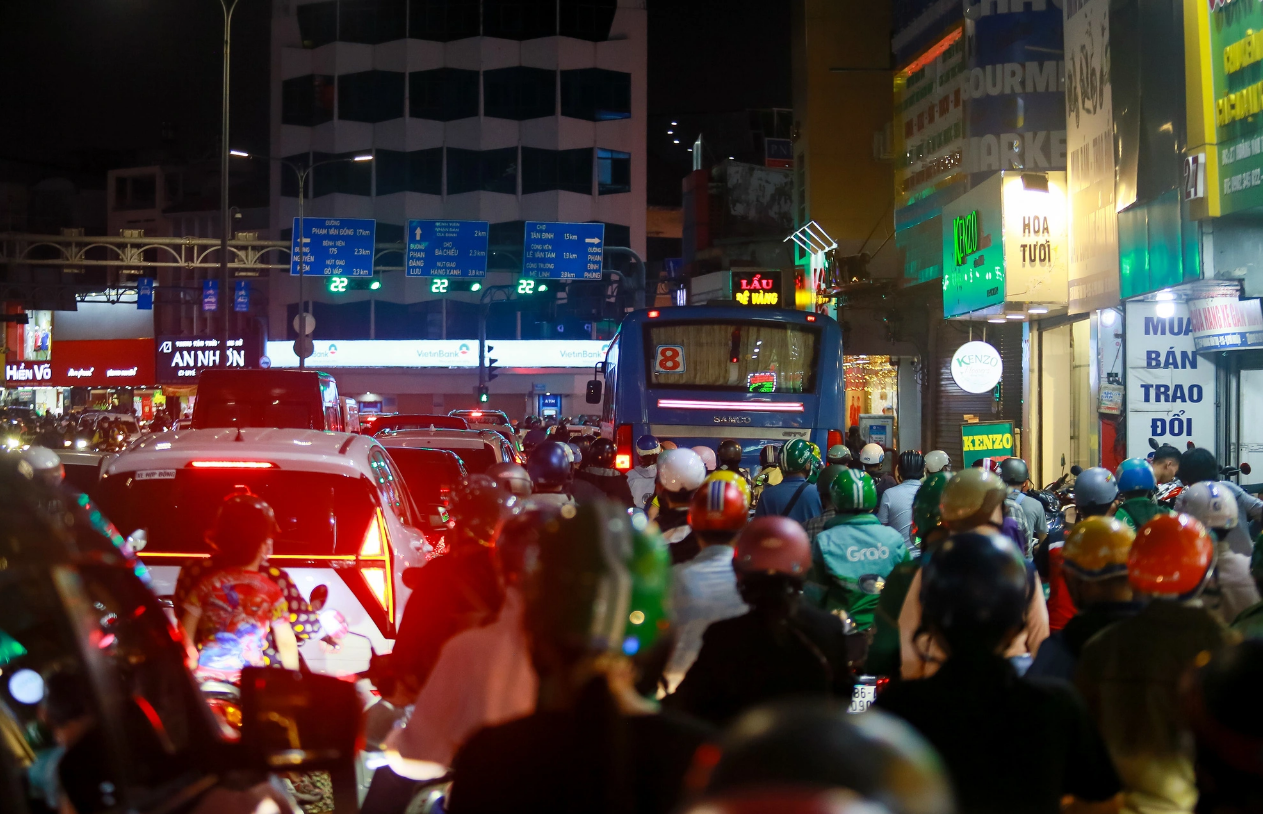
1013 509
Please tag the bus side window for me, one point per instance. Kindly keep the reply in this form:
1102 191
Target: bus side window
607 408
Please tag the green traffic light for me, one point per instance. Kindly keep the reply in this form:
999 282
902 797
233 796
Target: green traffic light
475 287
376 284
482 397
542 287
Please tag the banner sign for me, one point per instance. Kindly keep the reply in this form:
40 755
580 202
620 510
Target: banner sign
1170 388
334 247
447 248
993 439
144 293
180 358
88 363
1226 323
210 295
462 353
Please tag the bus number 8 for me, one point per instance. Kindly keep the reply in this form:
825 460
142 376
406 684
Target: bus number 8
670 358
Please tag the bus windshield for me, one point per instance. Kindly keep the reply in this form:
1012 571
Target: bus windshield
751 357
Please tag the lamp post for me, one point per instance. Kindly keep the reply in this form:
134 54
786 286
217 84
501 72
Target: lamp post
228 6
300 239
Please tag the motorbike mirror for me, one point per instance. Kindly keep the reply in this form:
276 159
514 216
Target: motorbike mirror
1244 467
594 392
138 539
319 596
1153 444
1063 460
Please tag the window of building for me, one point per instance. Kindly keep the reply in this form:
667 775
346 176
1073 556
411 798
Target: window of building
370 96
539 170
596 94
616 234
443 20
519 19
613 172
443 94
307 100
547 170
371 21
346 177
574 170
135 192
416 171
506 236
318 23
519 93
487 171
587 19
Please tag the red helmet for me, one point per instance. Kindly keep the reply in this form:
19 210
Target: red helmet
718 505
773 545
1171 557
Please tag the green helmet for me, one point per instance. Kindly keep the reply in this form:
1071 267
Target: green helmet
600 581
797 456
853 491
825 483
925 513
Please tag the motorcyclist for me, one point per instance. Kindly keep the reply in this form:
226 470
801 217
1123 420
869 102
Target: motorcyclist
1231 589
1009 744
1094 567
45 463
512 477
972 500
594 602
708 457
782 647
533 438
1198 465
598 470
936 460
872 456
815 525
1015 474
1129 672
730 455
769 473
1095 492
1166 467
1221 703
838 454
680 473
704 589
1250 621
551 475
642 477
1136 486
793 497
853 555
894 507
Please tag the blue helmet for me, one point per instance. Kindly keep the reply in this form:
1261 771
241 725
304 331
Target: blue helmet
647 445
1135 475
549 465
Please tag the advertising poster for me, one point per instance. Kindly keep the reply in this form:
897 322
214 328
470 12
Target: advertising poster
993 439
37 336
1236 68
1170 388
973 251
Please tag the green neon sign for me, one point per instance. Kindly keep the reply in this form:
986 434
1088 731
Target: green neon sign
965 236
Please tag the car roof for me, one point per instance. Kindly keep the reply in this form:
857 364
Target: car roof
341 453
461 439
446 454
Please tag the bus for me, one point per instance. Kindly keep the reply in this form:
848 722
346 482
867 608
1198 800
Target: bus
696 375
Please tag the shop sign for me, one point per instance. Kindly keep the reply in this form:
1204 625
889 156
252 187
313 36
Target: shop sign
103 363
976 367
1035 238
994 439
757 288
180 358
1170 387
27 374
1226 323
977 284
965 236
457 353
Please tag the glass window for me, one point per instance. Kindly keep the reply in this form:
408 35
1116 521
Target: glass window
613 172
318 23
144 192
587 19
489 171
307 100
347 177
596 94
370 96
539 170
431 474
751 357
443 20
443 94
417 171
371 21
519 93
574 170
519 19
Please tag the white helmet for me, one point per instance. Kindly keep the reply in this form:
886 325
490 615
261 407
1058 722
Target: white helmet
681 470
708 457
872 454
936 460
1210 503
46 463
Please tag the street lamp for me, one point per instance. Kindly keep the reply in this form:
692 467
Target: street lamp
302 173
229 6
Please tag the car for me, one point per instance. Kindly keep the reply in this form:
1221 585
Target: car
89 419
346 520
477 449
494 420
430 473
298 399
414 421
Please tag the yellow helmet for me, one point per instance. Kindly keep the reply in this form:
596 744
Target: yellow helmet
1097 548
732 477
970 498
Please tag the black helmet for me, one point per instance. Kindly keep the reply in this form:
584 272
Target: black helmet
549 466
813 744
533 438
479 508
975 591
601 453
1014 472
911 464
1223 707
770 455
730 453
825 482
584 443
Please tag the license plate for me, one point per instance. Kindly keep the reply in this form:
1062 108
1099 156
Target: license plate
862 697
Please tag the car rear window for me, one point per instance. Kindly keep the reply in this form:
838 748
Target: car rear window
420 422
320 514
427 472
244 411
476 459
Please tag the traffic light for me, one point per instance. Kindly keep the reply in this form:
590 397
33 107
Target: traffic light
482 394
491 364
341 285
527 285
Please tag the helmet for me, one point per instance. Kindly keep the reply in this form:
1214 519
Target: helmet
975 590
925 511
825 481
815 450
647 445
1171 557
600 581
1014 471
911 464
681 470
808 744
797 456
770 455
1095 487
872 455
838 454
728 476
549 465
1209 502
853 490
45 463
788 800
533 438
479 508
511 477
1135 475
730 452
576 455
772 545
669 445
936 460
708 457
970 498
1223 708
243 523
601 454
718 505
531 422
1097 548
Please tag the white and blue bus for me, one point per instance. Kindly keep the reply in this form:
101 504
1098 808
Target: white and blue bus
699 374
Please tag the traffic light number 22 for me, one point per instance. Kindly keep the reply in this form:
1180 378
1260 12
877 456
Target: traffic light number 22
669 359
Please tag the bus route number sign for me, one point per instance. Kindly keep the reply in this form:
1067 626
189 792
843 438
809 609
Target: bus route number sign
669 359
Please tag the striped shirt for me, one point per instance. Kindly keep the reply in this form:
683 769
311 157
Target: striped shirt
704 590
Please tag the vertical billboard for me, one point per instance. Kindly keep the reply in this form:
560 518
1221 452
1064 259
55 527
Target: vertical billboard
929 130
1170 387
973 252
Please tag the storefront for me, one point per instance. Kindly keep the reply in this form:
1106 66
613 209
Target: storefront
86 374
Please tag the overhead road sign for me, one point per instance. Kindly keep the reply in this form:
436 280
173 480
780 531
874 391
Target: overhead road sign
563 251
447 248
340 247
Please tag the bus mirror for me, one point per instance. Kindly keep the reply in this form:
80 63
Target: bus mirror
594 392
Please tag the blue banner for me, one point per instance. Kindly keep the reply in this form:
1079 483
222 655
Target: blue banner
241 296
210 295
447 248
563 251
334 246
144 294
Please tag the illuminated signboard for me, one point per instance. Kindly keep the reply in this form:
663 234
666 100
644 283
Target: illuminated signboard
761 382
761 287
965 236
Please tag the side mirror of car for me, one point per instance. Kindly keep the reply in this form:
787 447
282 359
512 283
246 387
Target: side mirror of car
138 539
594 392
319 596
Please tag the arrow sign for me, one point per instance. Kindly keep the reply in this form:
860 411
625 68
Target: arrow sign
447 248
563 251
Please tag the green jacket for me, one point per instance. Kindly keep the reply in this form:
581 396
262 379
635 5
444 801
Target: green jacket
1134 512
884 653
851 559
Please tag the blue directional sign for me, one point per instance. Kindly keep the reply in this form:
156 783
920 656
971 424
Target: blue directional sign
210 295
144 293
341 247
447 248
563 251
241 296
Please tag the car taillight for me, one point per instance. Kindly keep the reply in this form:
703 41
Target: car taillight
835 438
623 444
374 562
232 465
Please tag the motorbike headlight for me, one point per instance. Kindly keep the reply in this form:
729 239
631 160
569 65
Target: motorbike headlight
12 442
81 444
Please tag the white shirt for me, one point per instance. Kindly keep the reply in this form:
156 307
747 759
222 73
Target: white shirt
896 508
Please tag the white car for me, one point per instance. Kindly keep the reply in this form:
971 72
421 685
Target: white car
347 522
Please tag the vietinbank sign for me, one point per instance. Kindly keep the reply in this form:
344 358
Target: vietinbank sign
449 353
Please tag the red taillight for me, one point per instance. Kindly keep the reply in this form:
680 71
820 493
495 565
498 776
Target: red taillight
232 465
654 314
835 438
623 447
374 562
811 317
